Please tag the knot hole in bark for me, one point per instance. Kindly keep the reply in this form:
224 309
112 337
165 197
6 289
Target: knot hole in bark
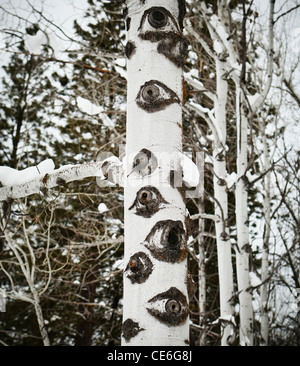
148 201
150 92
145 196
173 307
154 96
144 163
139 268
173 237
174 310
158 18
167 241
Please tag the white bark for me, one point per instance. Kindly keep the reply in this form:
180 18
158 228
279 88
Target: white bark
221 211
242 219
155 310
109 169
28 269
217 124
202 258
241 208
266 240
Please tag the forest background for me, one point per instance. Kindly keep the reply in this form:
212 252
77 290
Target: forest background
63 96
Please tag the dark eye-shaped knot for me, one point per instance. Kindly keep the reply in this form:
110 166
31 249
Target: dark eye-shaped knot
170 307
150 92
144 163
160 18
130 329
159 26
155 96
167 241
148 201
139 267
173 306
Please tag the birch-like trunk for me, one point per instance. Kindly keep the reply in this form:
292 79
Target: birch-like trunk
221 211
242 220
264 327
155 305
202 259
244 248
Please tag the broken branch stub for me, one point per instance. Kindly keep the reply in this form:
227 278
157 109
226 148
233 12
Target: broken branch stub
129 49
144 163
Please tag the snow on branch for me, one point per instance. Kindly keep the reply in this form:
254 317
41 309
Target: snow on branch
198 85
40 178
208 116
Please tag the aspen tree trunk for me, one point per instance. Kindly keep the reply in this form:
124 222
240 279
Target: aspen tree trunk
221 211
155 308
218 126
242 219
264 327
244 248
202 257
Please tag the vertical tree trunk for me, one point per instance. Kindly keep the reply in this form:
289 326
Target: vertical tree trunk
244 247
202 258
221 210
155 308
39 315
264 328
85 324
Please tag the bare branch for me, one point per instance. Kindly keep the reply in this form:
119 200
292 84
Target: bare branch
287 12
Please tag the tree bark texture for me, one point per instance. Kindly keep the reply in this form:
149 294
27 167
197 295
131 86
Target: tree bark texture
264 328
155 304
221 211
242 222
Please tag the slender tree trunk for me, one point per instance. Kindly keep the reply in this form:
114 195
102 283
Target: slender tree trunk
244 248
85 324
155 310
264 328
39 316
202 257
221 211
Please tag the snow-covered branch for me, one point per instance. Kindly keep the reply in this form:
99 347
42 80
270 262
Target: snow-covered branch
208 116
196 84
18 184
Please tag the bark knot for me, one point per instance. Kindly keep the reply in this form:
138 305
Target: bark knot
167 241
